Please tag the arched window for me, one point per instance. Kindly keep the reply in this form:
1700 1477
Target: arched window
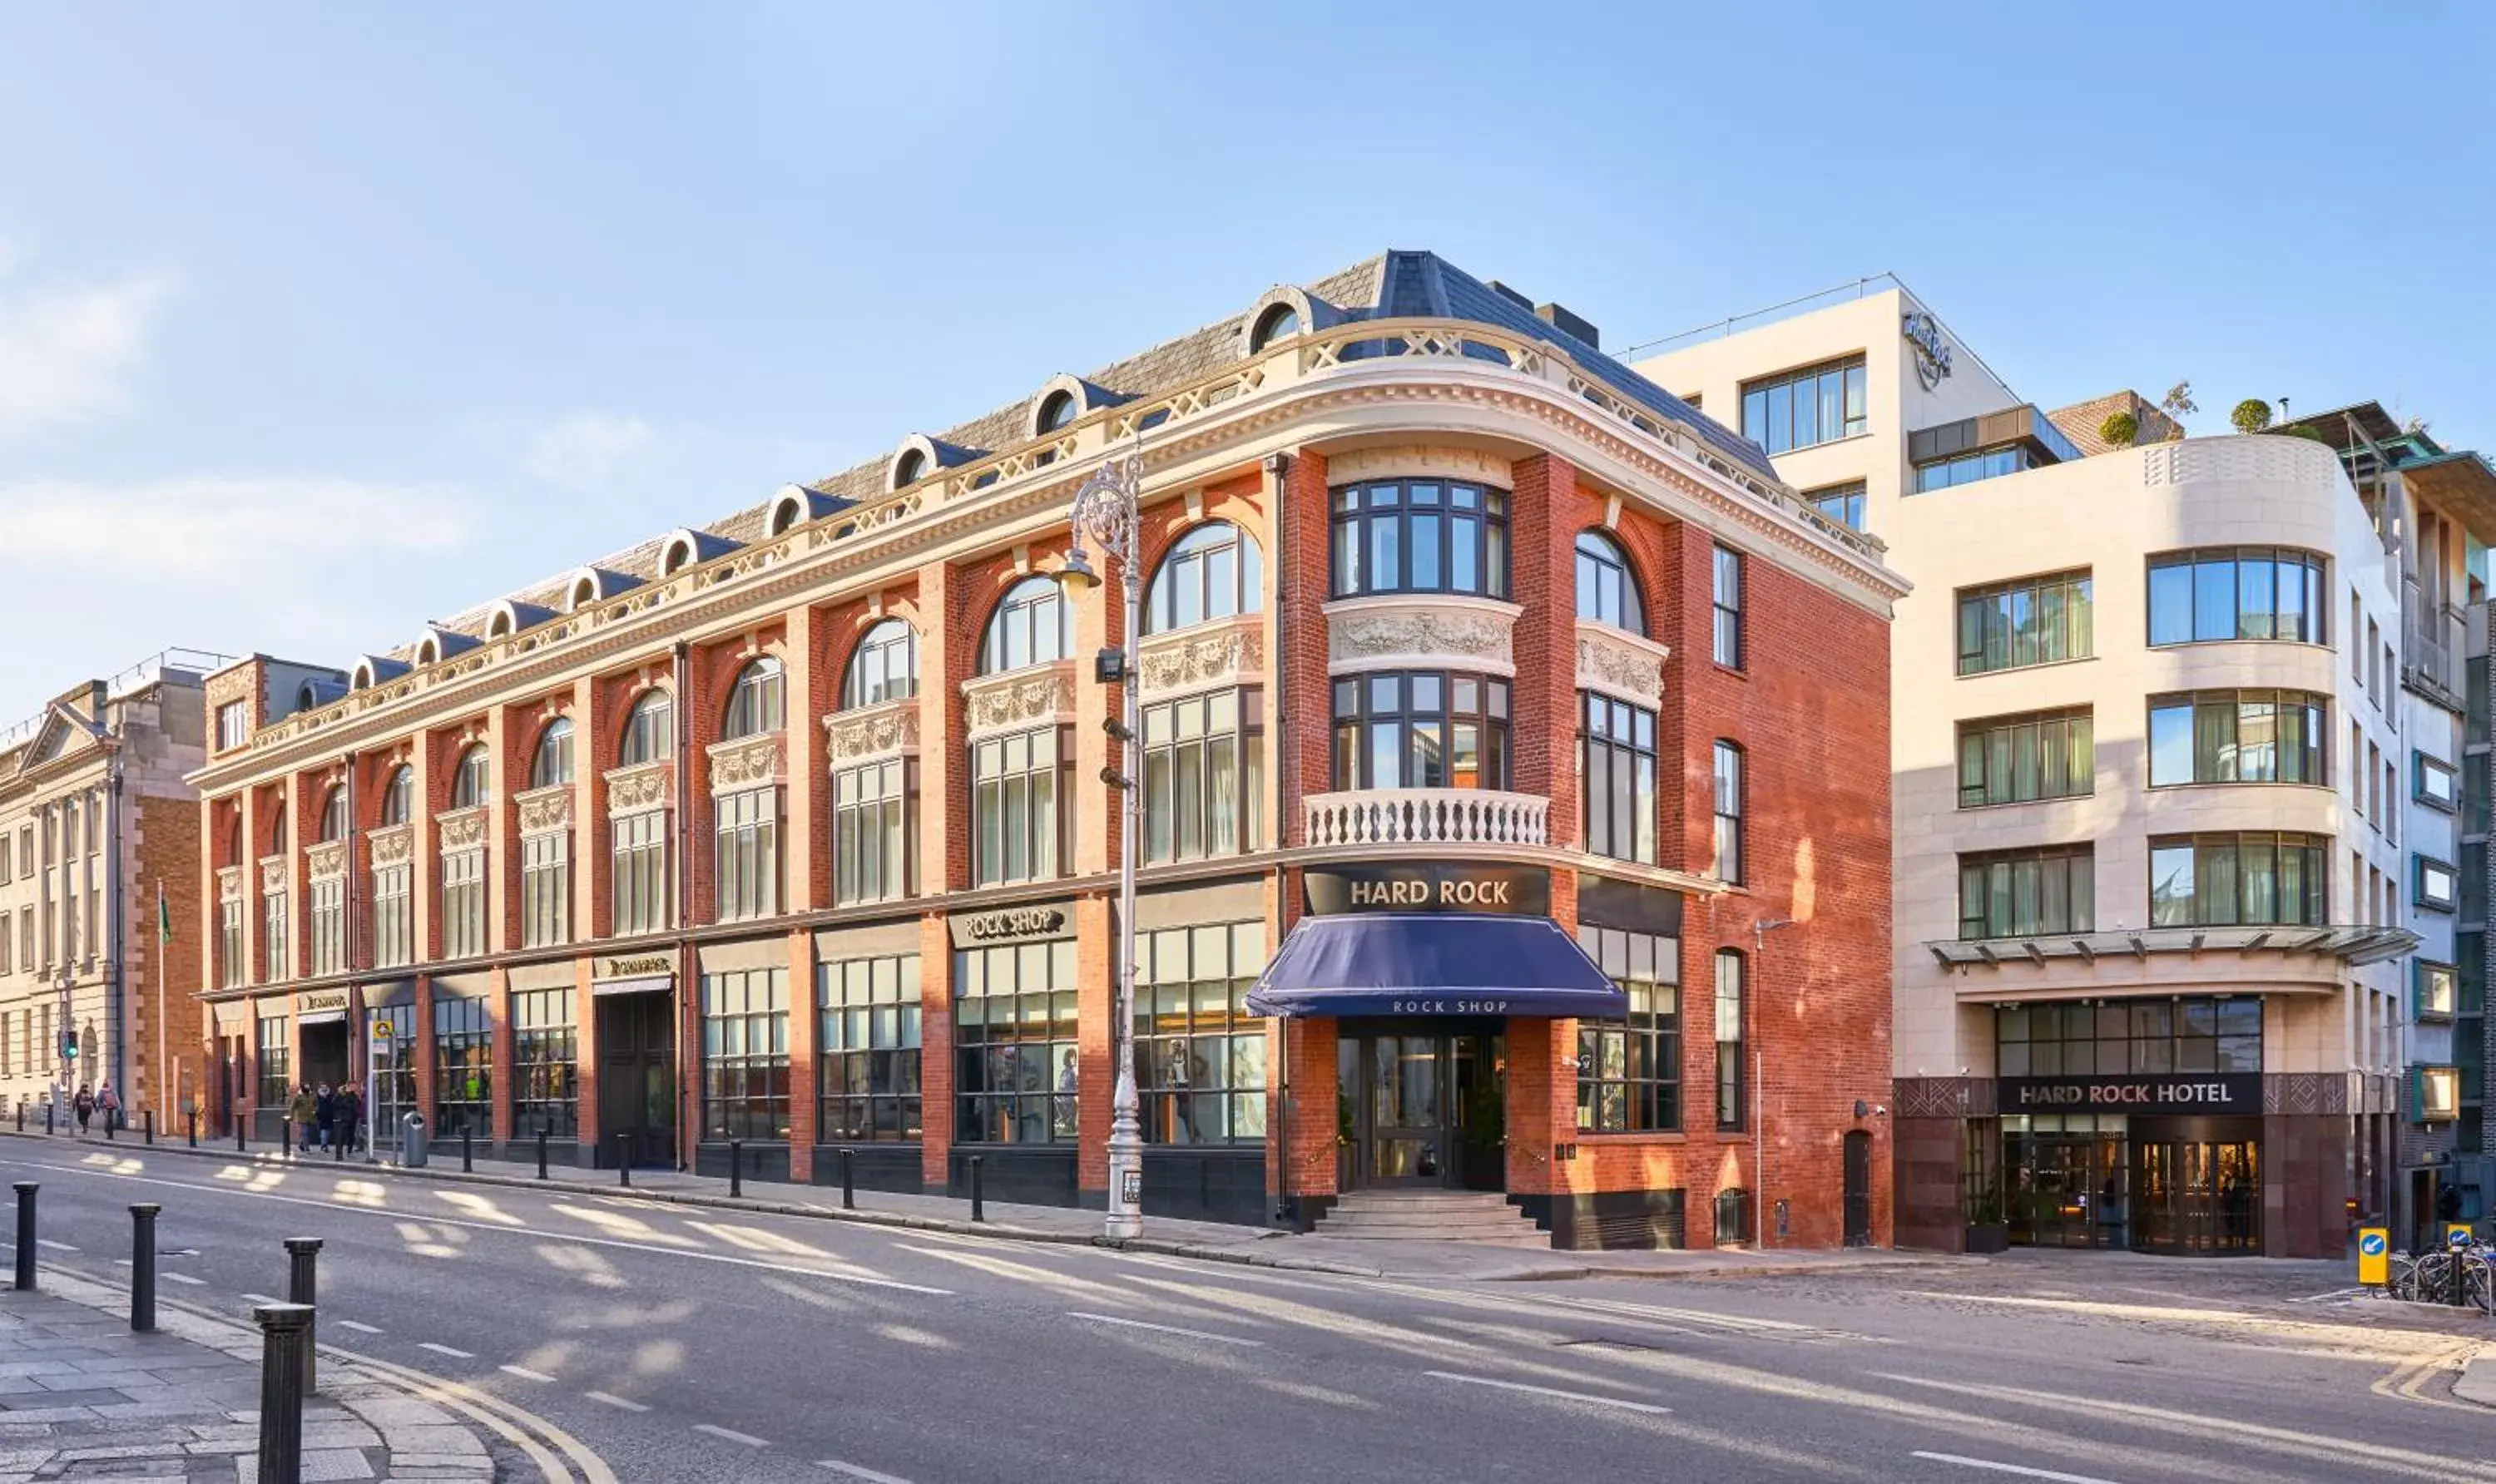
649 729
1607 589
1033 625
754 701
884 665
277 829
1214 571
398 796
909 470
333 815
233 841
1058 410
1280 323
469 784
552 763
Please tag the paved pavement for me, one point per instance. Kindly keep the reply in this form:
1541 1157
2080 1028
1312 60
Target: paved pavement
689 1343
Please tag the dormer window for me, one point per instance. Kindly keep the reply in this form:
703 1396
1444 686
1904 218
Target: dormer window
909 469
1280 323
1058 410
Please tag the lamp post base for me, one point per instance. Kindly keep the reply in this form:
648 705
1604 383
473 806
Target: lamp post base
1126 1219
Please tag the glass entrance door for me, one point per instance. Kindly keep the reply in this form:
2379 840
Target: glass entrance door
2198 1197
1408 1109
1421 1109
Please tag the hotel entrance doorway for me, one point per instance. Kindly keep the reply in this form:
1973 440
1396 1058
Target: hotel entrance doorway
637 1076
1421 1106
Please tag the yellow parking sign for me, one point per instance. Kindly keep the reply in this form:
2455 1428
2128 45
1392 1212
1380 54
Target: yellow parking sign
2374 1257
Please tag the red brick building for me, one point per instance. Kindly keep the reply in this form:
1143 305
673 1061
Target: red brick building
792 830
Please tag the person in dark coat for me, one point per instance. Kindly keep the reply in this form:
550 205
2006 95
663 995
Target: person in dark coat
324 1110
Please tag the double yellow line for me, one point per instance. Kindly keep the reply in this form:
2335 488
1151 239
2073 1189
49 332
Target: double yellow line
2405 1382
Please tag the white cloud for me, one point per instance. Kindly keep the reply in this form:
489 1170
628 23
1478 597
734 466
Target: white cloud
249 530
69 353
585 448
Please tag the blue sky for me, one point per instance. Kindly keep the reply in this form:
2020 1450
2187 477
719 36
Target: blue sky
317 321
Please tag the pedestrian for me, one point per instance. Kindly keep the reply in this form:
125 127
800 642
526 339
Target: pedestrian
325 1112
109 1102
300 1110
349 1117
83 1105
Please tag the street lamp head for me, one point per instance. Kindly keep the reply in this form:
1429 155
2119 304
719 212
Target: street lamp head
1078 568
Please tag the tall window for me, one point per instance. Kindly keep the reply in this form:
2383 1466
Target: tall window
551 764
1968 467
1730 1030
885 666
1214 571
1841 503
2013 759
2221 881
234 724
333 816
1204 769
392 1094
1728 791
463 1067
463 903
1016 780
1200 1055
398 796
1629 1072
1607 591
1420 730
1818 404
276 1068
748 862
2025 893
328 917
1014 1044
2433 883
1033 625
2235 593
754 700
2236 738
745 1054
2033 621
1728 599
276 961
1421 535
546 889
869 1077
1617 776
649 731
638 843
2194 1032
394 918
546 1054
470 785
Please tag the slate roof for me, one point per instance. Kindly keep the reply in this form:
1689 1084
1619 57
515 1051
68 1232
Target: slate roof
1393 284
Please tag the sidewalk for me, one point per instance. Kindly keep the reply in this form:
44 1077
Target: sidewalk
1169 1236
84 1398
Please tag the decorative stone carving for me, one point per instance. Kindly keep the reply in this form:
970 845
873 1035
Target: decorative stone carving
1418 460
642 786
1203 657
326 859
1619 664
873 731
745 763
394 845
1462 632
273 875
1023 697
229 884
545 811
461 829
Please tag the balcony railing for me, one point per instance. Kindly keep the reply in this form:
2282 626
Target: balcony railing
1426 817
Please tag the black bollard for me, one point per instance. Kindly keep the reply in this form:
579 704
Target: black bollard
736 1169
303 1287
337 1146
285 1359
467 1151
191 1128
979 1203
623 1159
150 1126
542 1139
849 1178
26 1189
142 1266
21 1117
239 1146
48 1118
109 1121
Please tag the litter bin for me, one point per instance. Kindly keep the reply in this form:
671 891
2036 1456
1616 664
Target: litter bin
411 1142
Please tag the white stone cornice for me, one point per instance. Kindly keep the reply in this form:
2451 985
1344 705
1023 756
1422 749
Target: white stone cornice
1441 631
742 764
325 860
1203 656
461 829
888 728
229 884
544 811
641 788
1618 662
393 845
273 875
1035 695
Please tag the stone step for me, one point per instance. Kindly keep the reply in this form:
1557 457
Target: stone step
1481 1217
1372 1216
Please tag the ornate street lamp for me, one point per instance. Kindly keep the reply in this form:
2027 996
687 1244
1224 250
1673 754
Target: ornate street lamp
1106 513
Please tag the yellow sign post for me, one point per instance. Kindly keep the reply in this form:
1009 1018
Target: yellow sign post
2456 1236
2374 1257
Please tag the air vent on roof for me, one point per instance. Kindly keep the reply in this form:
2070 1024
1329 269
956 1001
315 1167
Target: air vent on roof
1521 301
1558 317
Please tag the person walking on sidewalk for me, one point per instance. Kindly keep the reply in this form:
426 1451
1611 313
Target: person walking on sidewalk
347 1118
325 1112
300 1110
109 1103
83 1105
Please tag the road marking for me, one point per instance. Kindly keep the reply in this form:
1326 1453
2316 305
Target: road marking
1550 1391
730 1435
121 1262
58 1247
855 1472
2023 1472
629 1406
1165 1329
444 1350
360 1329
527 1375
185 1278
261 1298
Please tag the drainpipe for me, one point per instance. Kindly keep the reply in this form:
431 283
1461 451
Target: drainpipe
1277 467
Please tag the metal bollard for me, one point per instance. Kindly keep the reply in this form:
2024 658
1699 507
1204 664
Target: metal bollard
150 1117
624 1160
142 1266
240 1147
303 1287
48 1118
337 1146
849 1178
21 1117
978 1202
191 1128
284 1355
26 1189
542 1139
736 1169
467 1151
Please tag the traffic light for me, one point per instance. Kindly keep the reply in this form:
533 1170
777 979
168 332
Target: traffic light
68 1045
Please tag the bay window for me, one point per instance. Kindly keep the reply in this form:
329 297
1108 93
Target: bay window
2237 737
1421 535
1420 730
2253 878
2236 592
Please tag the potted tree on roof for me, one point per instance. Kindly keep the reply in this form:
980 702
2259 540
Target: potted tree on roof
2251 415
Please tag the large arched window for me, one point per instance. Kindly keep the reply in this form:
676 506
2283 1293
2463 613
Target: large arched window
1214 571
754 700
1607 588
333 815
1033 625
649 729
885 666
469 785
553 762
1280 323
399 796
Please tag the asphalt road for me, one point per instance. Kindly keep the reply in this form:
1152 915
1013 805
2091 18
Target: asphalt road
688 1344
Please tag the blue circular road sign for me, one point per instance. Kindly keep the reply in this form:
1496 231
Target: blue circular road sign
2371 1243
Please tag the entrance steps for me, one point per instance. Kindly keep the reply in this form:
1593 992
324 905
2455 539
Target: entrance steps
1481 1217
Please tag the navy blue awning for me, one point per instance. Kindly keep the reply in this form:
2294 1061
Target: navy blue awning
1434 964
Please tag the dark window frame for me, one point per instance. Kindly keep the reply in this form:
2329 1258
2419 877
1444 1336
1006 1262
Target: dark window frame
546 1064
1990 621
2000 897
2217 859
1413 716
463 1067
2201 584
1196 1047
1774 406
744 1091
869 1061
2023 746
1619 768
2218 720
1629 1072
2215 1033
1406 510
1035 985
